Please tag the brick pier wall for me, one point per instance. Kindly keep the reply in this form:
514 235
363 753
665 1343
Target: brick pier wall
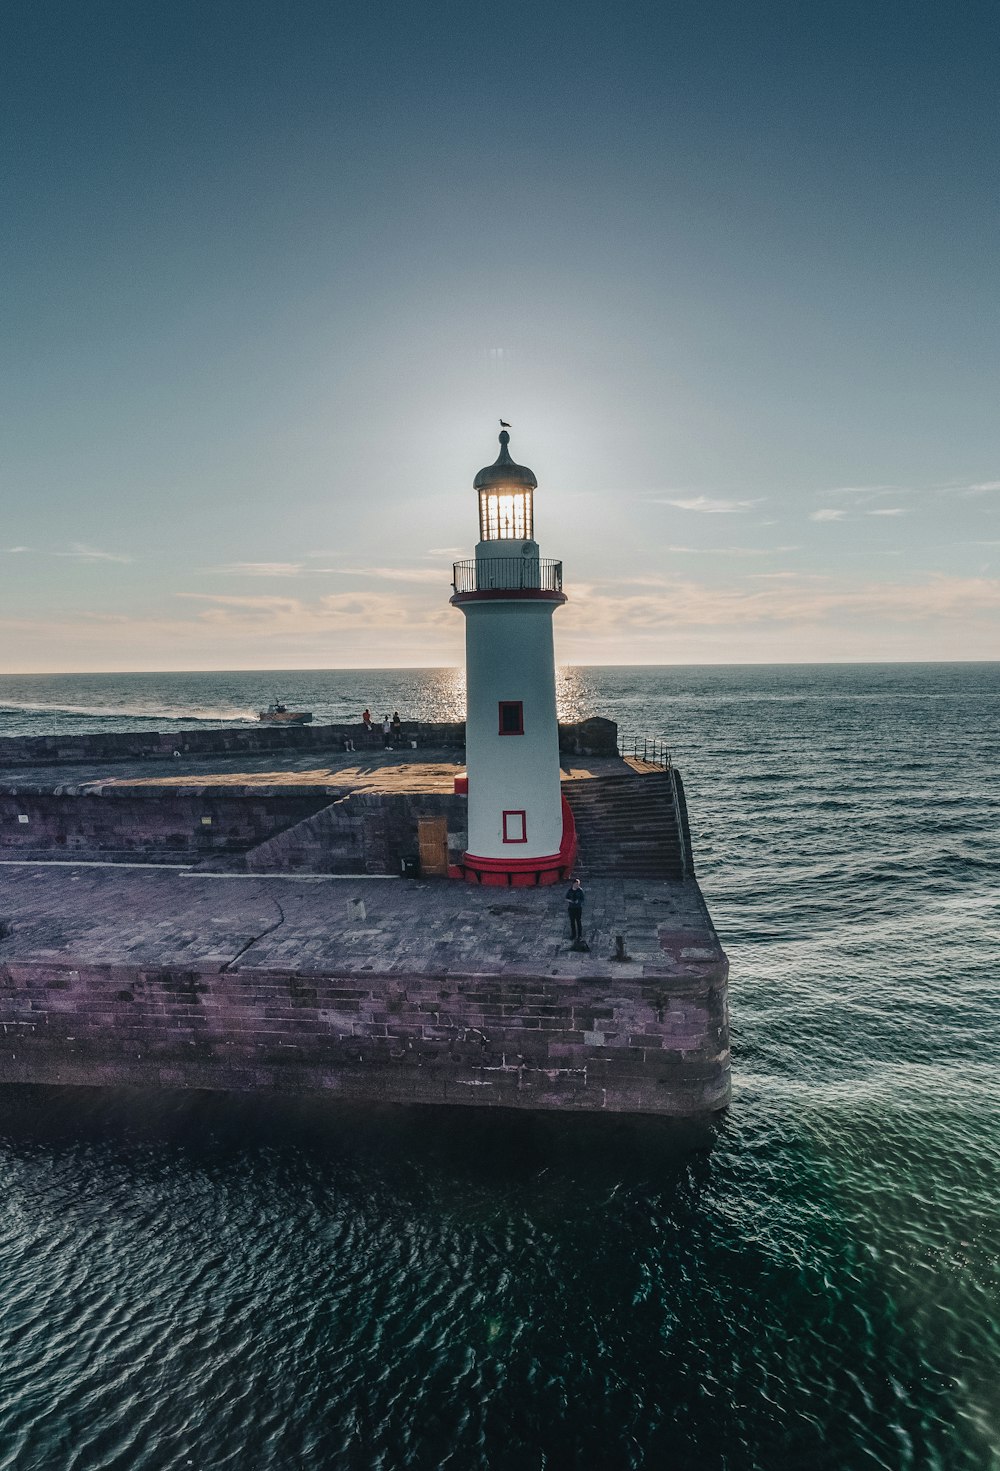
308 832
632 1043
147 821
230 740
594 737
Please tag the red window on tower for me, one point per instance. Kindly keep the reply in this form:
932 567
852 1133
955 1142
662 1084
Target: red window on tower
511 717
515 827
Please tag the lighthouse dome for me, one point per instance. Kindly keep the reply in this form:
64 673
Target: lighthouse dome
503 471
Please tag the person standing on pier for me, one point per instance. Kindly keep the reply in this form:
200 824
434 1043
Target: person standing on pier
574 903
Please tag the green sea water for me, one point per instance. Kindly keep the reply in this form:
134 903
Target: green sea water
814 1282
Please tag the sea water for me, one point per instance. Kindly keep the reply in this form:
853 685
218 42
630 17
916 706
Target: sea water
211 1282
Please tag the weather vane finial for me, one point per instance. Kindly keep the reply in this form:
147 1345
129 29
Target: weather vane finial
504 424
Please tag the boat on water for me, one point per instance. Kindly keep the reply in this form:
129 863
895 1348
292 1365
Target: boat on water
279 714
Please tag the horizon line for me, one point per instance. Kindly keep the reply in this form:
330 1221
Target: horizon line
412 668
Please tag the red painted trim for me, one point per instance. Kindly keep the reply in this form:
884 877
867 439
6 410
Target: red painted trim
536 878
508 865
522 814
521 873
567 848
507 594
510 705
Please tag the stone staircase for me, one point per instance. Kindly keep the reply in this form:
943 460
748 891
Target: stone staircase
355 834
628 826
328 841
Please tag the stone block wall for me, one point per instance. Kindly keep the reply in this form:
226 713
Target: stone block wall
631 1043
594 737
141 821
264 833
361 833
236 740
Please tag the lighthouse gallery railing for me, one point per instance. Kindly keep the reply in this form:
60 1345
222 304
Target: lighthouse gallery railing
508 572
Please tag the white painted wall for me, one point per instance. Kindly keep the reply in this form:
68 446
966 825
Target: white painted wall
507 564
509 656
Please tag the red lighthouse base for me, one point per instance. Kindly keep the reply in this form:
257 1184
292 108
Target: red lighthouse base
522 873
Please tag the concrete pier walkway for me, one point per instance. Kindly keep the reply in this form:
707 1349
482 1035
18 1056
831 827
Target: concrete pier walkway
175 916
390 990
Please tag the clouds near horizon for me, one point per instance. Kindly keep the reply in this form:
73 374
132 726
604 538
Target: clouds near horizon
669 620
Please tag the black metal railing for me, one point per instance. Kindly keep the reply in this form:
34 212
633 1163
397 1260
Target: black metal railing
649 749
493 574
683 832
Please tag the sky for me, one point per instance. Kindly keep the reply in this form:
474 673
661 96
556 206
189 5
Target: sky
272 271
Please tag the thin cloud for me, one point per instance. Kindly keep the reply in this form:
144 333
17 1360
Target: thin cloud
889 511
273 615
236 600
374 625
451 552
861 494
828 513
80 552
966 488
77 551
258 569
862 490
731 551
396 574
789 577
692 604
709 505
788 615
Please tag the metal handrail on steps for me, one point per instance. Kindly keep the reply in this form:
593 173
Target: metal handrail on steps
687 867
649 749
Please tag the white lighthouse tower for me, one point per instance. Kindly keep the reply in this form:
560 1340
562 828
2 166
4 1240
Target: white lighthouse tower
518 834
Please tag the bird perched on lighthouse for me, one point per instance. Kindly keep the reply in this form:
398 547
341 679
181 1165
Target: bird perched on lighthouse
519 829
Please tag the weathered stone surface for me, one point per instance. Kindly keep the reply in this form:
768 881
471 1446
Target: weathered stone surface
269 974
170 820
595 736
370 989
350 813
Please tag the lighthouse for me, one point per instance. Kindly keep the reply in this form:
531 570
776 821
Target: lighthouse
520 829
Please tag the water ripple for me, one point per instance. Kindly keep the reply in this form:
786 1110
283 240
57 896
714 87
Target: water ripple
268 1285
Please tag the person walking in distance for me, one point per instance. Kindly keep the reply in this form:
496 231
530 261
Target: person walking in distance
574 903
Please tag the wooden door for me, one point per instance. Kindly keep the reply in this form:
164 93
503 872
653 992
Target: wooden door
433 836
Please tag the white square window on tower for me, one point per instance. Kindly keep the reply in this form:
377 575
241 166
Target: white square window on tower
515 826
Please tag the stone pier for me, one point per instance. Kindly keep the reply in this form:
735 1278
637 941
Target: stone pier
236 919
383 989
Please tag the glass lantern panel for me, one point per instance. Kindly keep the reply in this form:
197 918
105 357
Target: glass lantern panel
505 515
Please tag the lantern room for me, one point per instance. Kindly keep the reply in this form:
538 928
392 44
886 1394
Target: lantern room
506 491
